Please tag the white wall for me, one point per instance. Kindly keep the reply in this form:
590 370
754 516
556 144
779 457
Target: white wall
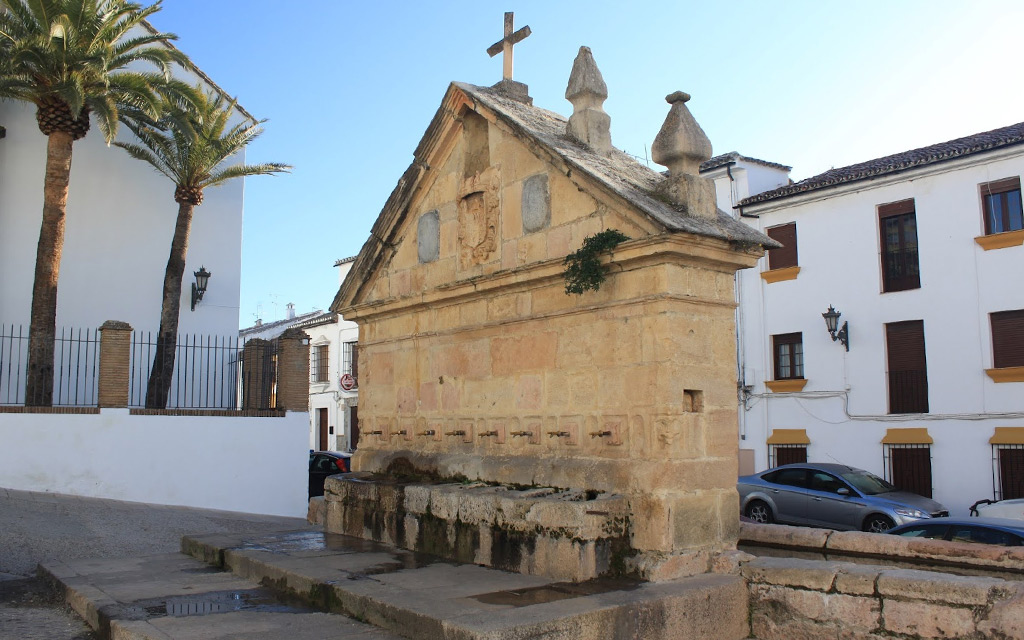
845 402
252 465
120 218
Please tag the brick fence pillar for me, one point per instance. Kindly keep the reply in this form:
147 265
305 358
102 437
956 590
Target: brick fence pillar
115 357
293 370
256 378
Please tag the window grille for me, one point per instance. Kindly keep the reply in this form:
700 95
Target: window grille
780 454
909 467
350 359
1008 471
320 368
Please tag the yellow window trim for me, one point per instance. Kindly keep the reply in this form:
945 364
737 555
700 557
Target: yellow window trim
778 275
1008 435
1006 374
907 436
998 240
784 386
788 436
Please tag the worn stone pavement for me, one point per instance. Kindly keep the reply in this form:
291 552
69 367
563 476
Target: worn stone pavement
35 527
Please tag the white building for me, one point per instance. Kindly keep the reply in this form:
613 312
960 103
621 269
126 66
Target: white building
920 253
333 370
333 378
271 330
120 219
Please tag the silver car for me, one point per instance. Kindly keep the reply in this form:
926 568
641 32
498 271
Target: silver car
834 496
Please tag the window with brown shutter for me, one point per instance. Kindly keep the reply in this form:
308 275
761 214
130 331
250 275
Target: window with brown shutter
789 355
1001 204
897 224
908 368
909 467
786 255
1007 338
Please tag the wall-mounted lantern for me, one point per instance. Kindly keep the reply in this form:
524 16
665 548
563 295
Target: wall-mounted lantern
199 286
832 321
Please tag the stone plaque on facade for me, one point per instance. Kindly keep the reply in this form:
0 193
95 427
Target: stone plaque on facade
428 237
536 203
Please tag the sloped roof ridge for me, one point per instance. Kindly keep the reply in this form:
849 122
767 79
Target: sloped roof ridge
735 156
897 162
619 171
302 317
327 317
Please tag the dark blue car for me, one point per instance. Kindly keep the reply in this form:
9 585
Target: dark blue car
1000 531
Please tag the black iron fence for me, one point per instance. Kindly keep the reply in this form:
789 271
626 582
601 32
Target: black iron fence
210 372
75 360
215 373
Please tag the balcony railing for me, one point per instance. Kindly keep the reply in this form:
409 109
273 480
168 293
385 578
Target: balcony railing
908 392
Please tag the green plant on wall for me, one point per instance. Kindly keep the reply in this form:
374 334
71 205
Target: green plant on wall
583 269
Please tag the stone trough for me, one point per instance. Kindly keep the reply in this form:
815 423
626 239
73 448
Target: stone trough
563 534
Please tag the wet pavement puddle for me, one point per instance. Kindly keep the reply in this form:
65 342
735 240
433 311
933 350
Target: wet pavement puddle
555 592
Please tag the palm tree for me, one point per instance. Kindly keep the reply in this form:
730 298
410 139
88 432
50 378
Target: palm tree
70 59
192 144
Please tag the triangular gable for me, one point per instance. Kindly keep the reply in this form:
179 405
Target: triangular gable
617 179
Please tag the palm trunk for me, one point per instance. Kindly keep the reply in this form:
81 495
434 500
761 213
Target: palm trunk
43 324
167 337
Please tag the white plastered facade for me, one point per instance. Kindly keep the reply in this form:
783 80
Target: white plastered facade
332 408
120 219
843 408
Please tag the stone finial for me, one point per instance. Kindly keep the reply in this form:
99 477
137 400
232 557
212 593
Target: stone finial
587 91
682 146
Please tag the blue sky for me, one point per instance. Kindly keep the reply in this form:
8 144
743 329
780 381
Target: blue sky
348 89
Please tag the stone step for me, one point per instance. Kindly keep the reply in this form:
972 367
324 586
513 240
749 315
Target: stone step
419 596
175 597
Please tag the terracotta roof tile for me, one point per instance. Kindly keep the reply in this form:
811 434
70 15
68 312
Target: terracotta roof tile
732 157
936 153
619 171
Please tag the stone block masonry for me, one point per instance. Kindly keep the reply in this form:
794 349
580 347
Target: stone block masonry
793 598
476 365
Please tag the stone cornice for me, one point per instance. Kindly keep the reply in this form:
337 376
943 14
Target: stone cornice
677 248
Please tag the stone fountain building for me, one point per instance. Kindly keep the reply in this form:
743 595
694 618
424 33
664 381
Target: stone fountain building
508 423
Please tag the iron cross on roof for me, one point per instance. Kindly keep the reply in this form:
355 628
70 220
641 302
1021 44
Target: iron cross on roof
504 46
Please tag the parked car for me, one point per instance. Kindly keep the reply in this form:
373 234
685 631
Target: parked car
829 495
1000 531
1013 509
323 464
